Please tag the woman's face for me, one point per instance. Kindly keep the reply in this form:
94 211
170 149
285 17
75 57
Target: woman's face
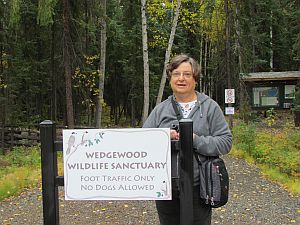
182 80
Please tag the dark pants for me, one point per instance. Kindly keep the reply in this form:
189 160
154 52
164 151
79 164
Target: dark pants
169 210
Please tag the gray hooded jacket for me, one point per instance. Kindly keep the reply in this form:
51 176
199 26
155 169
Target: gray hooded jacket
212 134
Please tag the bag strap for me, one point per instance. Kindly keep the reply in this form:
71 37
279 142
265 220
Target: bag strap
178 115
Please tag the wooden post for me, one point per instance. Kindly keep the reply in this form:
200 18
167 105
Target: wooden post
186 172
49 173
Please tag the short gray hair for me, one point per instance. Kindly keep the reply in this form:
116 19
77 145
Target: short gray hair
182 58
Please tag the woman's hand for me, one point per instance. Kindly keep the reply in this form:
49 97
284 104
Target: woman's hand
174 135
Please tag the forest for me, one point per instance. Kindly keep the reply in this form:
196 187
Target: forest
81 63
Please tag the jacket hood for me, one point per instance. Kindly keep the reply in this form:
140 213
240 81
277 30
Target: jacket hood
201 98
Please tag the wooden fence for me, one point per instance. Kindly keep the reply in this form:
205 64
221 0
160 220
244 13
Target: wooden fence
15 136
11 136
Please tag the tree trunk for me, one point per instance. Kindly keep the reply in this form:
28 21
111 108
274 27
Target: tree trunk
200 63
212 82
238 46
2 80
168 53
205 75
205 67
271 42
67 63
243 103
133 119
53 76
227 50
87 42
100 99
86 14
146 61
238 38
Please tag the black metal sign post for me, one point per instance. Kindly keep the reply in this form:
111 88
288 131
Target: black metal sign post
186 172
49 172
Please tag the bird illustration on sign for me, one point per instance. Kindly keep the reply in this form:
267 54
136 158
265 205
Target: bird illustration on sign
71 142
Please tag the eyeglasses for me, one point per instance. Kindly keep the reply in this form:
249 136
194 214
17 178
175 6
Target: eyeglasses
185 74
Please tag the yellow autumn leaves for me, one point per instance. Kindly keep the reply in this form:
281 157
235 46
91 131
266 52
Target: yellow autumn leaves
86 79
196 16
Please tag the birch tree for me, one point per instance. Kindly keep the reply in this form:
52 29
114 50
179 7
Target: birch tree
168 53
145 60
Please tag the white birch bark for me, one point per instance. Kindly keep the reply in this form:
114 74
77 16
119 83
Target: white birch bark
146 61
200 63
168 53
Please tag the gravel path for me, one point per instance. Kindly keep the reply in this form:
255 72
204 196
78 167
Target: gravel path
253 200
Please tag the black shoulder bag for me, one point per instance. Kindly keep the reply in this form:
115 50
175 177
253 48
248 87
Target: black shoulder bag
214 179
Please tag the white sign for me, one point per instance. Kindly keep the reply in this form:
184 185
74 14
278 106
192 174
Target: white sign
117 164
229 96
229 110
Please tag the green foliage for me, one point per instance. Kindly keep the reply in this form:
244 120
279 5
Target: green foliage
275 151
244 136
278 149
19 178
46 11
23 156
15 12
21 170
296 101
280 152
32 80
294 139
290 183
271 117
86 80
247 115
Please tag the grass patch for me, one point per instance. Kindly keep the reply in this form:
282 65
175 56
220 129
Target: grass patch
275 151
241 154
292 184
20 169
17 179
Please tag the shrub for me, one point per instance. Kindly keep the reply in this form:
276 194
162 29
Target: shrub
23 156
294 139
21 170
274 148
244 136
278 150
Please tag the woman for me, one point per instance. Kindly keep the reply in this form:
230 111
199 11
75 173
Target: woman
211 136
